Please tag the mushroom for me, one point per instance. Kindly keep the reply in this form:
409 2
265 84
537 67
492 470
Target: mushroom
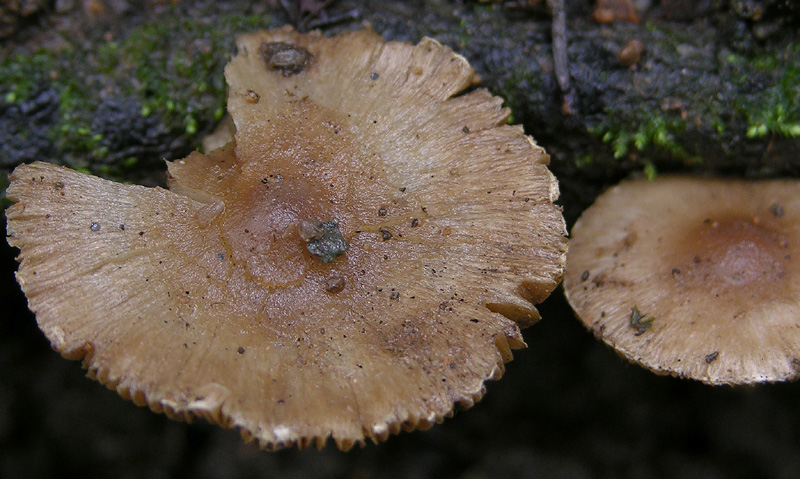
358 261
693 277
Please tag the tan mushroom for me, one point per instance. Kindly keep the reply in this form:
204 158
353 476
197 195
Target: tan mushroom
693 277
358 261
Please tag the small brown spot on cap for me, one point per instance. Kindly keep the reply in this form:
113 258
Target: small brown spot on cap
335 283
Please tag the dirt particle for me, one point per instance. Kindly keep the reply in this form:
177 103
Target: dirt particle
631 53
640 322
335 284
324 240
287 58
603 15
251 97
776 210
310 229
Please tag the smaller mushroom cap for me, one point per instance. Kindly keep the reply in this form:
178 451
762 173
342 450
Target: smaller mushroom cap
693 277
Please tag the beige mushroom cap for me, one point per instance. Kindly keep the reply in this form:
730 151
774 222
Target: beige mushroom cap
204 300
697 278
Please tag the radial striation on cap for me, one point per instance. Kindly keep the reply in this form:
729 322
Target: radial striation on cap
693 277
358 260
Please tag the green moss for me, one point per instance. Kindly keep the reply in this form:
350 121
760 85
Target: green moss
173 68
759 97
584 161
26 75
4 201
666 40
648 130
650 171
773 109
642 129
22 75
520 79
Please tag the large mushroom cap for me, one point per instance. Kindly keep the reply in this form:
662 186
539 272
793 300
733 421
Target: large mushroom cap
359 260
694 277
